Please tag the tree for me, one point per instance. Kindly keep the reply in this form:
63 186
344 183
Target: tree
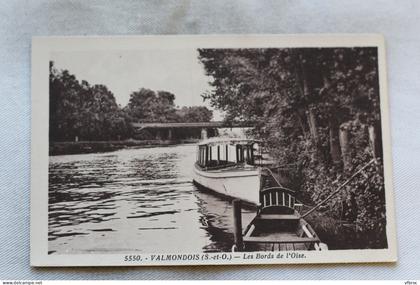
147 105
81 111
313 107
194 114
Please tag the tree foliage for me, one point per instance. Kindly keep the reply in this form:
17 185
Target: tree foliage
82 111
148 106
318 110
194 114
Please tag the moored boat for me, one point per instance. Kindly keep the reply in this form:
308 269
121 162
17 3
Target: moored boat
278 226
229 167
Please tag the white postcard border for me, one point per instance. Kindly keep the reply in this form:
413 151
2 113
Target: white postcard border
41 50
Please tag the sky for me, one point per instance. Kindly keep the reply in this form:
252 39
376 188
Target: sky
175 70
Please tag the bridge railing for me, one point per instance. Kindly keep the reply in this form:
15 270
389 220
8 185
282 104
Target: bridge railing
213 124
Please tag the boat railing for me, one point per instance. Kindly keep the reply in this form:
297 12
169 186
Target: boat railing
226 166
222 165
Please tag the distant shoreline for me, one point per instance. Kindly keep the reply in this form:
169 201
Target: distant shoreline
81 147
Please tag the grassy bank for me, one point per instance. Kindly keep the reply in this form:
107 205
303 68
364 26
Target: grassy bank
61 148
335 234
339 234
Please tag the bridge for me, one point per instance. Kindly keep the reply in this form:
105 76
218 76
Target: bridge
203 126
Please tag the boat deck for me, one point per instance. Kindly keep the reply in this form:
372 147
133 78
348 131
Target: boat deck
284 241
230 167
277 230
273 239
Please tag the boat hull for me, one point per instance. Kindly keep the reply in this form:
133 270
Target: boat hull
235 183
274 232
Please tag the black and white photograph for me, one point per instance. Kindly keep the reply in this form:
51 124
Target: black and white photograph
210 150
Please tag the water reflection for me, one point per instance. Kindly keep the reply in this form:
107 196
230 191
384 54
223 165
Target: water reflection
134 200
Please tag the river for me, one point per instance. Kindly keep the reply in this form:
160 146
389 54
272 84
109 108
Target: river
135 200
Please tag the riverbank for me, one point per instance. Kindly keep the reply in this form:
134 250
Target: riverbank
62 148
340 235
336 235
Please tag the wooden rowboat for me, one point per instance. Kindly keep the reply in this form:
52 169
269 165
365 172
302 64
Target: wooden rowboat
278 225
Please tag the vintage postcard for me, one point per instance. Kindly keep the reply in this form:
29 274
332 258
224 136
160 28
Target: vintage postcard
200 150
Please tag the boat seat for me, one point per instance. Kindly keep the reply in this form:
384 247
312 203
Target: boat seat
278 217
280 240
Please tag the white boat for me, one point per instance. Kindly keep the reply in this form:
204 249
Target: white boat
229 167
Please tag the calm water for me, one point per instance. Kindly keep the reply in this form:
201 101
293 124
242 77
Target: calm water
134 200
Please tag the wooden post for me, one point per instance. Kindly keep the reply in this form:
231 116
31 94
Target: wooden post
237 154
210 153
207 154
237 221
226 154
345 147
218 154
335 151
